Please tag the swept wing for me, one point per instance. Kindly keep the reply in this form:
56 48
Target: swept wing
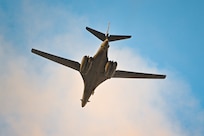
128 74
66 62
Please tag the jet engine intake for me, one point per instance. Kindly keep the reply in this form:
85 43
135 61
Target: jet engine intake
110 68
86 64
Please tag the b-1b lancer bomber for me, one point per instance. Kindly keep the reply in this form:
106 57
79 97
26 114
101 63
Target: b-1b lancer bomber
95 70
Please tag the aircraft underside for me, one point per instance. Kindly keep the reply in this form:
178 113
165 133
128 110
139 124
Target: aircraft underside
95 70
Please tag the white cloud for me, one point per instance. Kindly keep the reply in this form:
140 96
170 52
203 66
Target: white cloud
48 104
39 97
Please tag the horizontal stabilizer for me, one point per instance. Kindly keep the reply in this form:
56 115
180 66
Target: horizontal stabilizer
102 36
118 37
98 34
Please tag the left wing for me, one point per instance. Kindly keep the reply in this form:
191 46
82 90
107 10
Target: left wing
128 74
69 63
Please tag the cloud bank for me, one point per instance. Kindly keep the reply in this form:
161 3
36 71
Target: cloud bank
39 97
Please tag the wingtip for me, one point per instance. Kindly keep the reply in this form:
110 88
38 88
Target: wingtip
87 28
164 76
33 50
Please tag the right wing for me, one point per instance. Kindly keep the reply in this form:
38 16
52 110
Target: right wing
128 74
69 63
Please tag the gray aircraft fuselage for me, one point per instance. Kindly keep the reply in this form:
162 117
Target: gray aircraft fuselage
96 75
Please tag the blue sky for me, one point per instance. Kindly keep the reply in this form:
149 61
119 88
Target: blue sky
167 37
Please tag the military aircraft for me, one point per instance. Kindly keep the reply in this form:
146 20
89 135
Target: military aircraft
95 70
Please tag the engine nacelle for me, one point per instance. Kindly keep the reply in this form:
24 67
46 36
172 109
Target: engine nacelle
86 64
110 68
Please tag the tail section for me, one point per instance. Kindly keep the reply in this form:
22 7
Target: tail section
98 34
118 37
103 36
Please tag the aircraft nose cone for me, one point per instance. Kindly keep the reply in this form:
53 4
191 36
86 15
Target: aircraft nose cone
83 103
